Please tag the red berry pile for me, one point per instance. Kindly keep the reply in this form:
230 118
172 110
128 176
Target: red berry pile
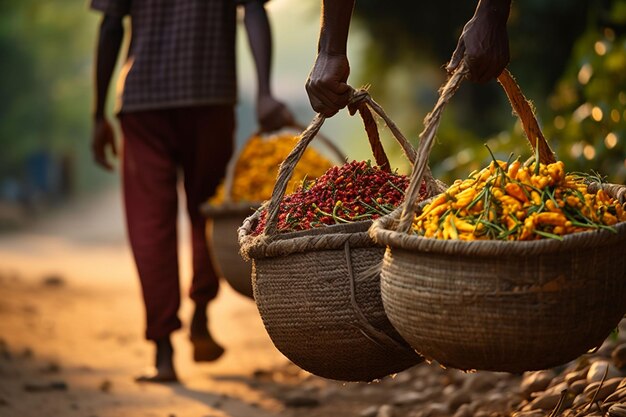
352 192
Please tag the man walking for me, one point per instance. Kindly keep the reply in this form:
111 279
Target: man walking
176 112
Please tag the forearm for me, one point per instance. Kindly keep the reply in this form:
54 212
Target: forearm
327 85
336 16
260 40
110 38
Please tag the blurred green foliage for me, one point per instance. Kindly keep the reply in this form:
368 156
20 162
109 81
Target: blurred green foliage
45 83
551 43
587 117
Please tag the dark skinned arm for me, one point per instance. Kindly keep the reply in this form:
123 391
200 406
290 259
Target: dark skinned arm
109 41
327 83
271 113
484 42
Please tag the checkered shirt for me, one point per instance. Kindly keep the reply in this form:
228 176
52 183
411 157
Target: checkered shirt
182 52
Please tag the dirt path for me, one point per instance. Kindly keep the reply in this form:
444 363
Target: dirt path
71 326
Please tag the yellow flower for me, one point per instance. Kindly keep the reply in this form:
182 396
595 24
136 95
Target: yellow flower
257 168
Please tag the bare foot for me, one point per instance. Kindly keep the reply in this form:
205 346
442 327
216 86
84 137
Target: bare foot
164 364
205 348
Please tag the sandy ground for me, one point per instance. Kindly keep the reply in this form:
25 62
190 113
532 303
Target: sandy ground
71 333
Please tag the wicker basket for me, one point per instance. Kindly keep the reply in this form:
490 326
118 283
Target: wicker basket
224 219
500 305
318 291
221 232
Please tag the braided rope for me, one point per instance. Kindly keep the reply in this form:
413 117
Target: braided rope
377 336
426 143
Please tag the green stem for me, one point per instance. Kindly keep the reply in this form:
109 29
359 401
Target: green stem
395 186
546 234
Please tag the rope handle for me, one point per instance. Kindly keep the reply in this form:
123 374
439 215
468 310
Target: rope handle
329 144
360 101
369 330
523 110
231 169
518 102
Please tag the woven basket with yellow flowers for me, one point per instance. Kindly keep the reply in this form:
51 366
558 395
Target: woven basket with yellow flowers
249 181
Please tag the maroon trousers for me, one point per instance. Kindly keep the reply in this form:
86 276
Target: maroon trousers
159 146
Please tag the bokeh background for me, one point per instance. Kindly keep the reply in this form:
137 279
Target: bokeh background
569 56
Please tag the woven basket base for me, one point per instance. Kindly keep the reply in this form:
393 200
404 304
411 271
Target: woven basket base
473 312
307 306
222 237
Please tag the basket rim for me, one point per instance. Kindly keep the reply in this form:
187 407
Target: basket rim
382 232
331 237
